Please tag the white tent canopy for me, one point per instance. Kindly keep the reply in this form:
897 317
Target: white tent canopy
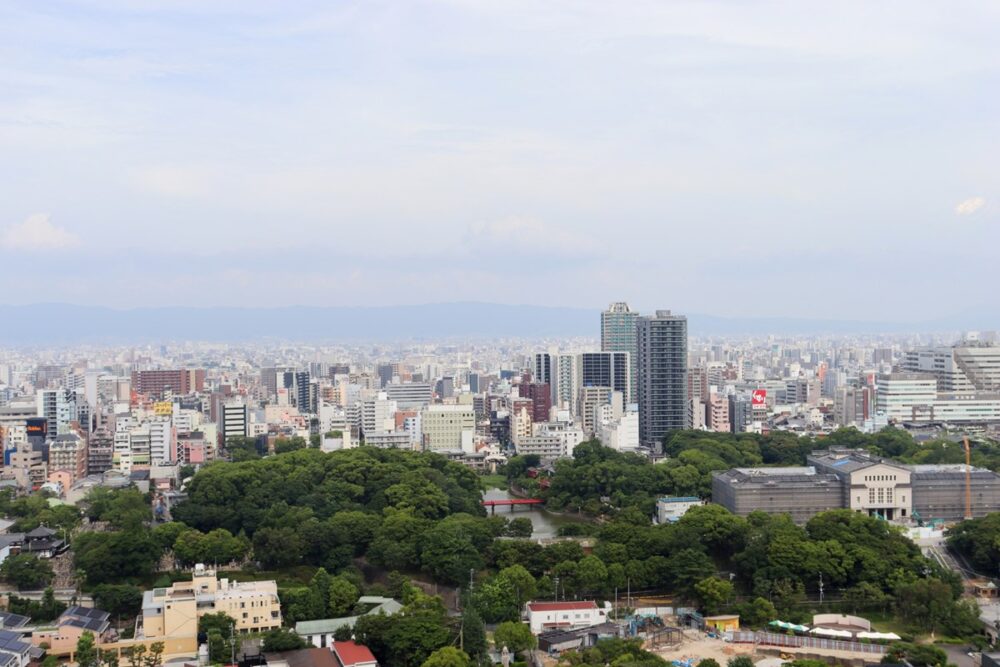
829 632
879 635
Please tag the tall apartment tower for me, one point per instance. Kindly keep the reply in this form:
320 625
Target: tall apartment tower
663 385
618 335
541 370
302 394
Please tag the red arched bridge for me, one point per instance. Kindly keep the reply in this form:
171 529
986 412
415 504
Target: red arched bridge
511 503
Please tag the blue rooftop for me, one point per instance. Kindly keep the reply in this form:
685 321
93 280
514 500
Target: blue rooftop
681 499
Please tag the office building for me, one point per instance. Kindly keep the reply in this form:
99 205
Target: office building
385 373
410 395
968 367
740 419
618 334
377 414
234 421
448 427
662 373
59 409
604 369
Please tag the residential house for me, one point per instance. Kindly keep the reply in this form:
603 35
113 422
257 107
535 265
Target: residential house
543 616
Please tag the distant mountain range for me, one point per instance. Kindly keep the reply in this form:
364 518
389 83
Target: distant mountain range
47 324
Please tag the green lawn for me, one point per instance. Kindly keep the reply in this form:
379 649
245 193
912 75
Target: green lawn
494 481
886 622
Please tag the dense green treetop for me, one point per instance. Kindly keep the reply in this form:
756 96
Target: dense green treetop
288 489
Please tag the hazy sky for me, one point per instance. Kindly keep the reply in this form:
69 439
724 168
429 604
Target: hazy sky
818 159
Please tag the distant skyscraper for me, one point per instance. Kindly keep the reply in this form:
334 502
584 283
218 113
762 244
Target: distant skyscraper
385 373
302 394
662 366
618 335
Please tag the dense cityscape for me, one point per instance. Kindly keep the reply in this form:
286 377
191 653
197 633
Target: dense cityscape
642 492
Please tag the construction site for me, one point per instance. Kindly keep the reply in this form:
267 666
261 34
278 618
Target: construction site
685 638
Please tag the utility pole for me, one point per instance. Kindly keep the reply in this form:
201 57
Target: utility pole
821 588
556 589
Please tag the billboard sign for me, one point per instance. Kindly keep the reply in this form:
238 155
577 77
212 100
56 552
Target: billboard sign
758 399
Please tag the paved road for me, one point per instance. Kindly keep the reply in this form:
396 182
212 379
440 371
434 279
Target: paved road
958 655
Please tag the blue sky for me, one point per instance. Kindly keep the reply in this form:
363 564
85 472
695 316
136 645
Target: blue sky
793 158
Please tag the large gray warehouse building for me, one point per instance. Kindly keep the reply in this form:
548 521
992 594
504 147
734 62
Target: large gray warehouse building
854 479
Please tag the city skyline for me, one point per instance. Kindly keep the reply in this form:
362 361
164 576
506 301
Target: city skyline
442 151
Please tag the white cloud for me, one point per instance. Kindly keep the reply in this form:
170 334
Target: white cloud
970 206
37 233
530 236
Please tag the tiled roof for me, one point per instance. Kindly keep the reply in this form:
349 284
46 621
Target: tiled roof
350 653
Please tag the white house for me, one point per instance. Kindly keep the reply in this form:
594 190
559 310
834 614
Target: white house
671 509
544 616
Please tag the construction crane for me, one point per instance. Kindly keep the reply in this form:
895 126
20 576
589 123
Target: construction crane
968 478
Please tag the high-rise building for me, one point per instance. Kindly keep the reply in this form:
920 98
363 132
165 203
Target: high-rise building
618 335
541 399
604 369
385 373
662 365
302 394
565 388
542 370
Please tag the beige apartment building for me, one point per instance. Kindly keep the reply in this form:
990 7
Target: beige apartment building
174 611
448 427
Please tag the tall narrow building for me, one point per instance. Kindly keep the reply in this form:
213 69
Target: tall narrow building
618 335
663 386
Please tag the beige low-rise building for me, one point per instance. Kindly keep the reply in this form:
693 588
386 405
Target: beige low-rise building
174 611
